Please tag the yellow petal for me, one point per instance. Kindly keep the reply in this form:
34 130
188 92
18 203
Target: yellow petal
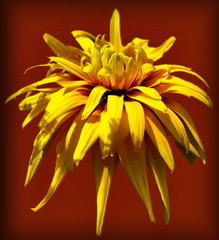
136 120
30 102
149 92
93 100
174 126
135 166
146 68
60 49
33 86
148 101
177 108
115 35
122 133
61 171
117 66
103 170
42 143
85 39
69 66
172 68
88 136
158 137
130 73
183 90
109 123
158 170
72 137
157 53
61 103
95 59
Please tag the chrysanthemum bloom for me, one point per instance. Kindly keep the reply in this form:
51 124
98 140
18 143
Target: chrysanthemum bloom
114 100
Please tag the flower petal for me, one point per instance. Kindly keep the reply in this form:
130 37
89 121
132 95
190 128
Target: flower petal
115 35
85 39
109 123
103 170
33 86
172 68
136 120
147 100
177 108
30 102
93 100
122 133
158 170
61 171
135 166
149 92
174 126
157 53
183 90
88 136
69 66
60 49
61 103
42 143
158 137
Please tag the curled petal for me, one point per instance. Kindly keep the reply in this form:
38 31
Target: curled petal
157 53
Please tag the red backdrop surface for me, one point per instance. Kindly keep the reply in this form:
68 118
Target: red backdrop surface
71 213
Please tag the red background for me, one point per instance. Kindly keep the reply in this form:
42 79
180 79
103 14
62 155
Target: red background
71 213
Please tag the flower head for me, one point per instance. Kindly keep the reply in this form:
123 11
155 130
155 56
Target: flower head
114 100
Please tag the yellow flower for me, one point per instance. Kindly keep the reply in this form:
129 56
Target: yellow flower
114 100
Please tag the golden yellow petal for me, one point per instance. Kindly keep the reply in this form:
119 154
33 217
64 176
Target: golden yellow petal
174 126
61 103
33 86
172 68
88 136
42 143
93 100
103 171
61 171
115 35
180 110
148 101
157 53
158 169
70 67
158 137
122 133
30 102
183 90
149 92
135 166
136 120
117 66
85 39
60 49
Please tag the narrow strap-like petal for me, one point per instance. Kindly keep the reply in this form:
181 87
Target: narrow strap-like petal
134 163
61 170
136 120
103 170
158 137
115 35
158 169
